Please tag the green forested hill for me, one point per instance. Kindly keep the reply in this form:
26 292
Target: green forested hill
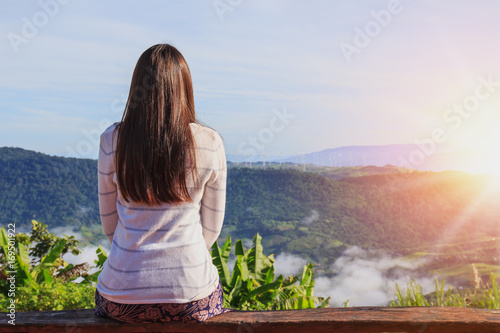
309 214
55 190
297 212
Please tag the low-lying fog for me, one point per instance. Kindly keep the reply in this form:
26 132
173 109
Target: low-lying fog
364 278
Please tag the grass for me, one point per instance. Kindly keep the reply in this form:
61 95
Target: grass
484 298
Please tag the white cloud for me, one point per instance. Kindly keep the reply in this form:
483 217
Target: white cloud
288 264
367 278
311 218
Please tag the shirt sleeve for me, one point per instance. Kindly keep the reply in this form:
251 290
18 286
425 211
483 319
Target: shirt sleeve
107 188
213 202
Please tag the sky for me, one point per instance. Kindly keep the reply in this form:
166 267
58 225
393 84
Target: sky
275 77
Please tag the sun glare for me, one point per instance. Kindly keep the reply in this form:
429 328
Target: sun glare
484 141
486 162
490 161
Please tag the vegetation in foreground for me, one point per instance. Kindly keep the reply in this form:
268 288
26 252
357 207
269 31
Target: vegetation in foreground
43 280
46 282
253 285
483 298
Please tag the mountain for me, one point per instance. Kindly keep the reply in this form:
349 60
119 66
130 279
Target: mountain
306 213
314 214
355 156
57 190
63 191
426 156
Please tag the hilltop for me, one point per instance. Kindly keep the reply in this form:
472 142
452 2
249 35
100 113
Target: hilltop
56 190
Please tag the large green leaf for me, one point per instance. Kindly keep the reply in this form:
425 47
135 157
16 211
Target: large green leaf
256 259
236 271
45 276
54 253
23 274
23 254
226 248
263 289
4 241
307 280
235 294
220 258
238 249
270 275
243 267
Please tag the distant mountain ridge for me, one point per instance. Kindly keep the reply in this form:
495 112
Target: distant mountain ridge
356 156
423 156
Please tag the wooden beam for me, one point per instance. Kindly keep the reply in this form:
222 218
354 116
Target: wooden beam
354 319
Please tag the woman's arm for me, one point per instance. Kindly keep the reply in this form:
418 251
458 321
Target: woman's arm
107 188
213 203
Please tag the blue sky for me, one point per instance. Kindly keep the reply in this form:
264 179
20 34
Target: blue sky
342 72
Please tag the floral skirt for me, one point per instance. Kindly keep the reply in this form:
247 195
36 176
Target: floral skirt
194 311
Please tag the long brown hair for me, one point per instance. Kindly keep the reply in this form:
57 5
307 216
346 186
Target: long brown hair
155 149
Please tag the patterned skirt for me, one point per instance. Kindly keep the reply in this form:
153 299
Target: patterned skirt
194 311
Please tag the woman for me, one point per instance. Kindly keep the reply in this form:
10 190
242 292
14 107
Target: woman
162 180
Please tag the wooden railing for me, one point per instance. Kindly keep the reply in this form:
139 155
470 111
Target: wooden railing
355 319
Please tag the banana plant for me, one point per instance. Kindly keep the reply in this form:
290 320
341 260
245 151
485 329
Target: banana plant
253 284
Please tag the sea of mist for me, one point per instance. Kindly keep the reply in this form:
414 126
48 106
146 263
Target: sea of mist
362 277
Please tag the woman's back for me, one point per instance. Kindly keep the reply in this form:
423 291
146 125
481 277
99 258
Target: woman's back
159 253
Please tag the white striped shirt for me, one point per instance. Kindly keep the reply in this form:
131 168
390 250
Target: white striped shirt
159 254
